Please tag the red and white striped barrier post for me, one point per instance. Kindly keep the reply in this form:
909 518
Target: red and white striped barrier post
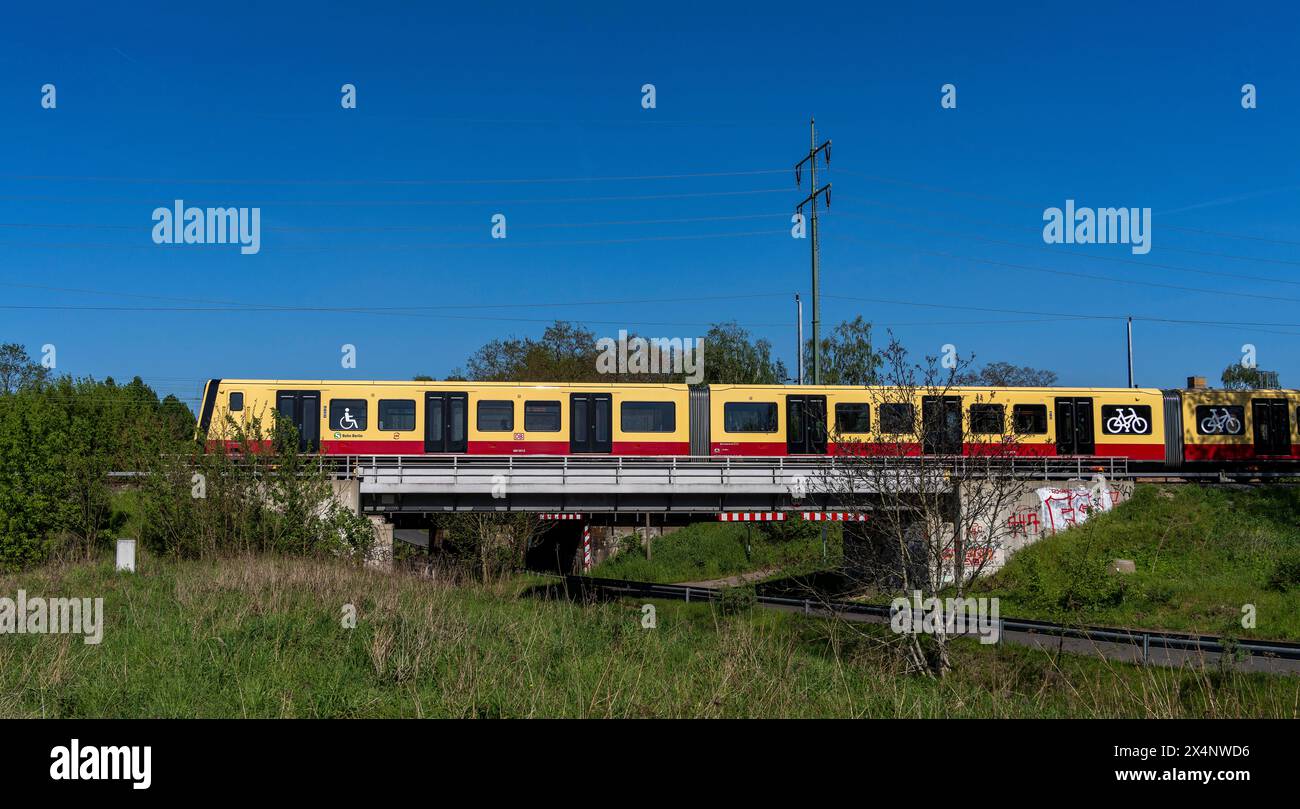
586 548
752 516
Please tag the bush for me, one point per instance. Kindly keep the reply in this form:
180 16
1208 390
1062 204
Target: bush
735 600
263 497
1085 582
1072 579
1286 572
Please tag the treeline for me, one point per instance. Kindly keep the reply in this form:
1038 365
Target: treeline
62 438
59 440
568 352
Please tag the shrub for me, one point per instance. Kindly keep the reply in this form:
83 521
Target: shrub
264 497
1069 578
1286 572
735 600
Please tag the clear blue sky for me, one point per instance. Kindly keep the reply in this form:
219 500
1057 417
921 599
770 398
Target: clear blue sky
1110 104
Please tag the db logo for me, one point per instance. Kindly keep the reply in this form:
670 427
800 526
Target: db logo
519 436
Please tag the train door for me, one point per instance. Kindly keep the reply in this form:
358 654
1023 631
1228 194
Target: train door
1074 428
1272 426
591 423
941 425
805 425
302 409
446 421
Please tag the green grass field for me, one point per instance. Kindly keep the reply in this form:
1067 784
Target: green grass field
264 637
1201 553
714 550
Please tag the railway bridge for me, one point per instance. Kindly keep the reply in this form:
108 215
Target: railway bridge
595 500
397 485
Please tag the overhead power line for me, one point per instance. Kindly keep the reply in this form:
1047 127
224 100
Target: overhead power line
1056 249
1068 273
1028 204
386 203
597 302
388 182
483 245
415 228
1072 315
947 215
217 305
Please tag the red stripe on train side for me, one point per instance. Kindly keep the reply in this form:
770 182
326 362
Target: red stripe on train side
233 446
518 448
562 448
359 446
751 449
652 448
1138 452
1231 452
391 447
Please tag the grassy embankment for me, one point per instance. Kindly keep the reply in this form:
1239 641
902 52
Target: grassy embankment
263 637
1201 553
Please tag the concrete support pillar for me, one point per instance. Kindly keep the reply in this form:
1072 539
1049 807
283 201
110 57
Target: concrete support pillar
381 554
347 493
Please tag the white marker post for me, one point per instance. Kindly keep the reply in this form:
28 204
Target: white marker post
126 555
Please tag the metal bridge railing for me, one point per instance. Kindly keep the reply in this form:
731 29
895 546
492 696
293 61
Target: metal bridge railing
477 472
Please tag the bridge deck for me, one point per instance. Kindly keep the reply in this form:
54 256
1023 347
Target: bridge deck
627 483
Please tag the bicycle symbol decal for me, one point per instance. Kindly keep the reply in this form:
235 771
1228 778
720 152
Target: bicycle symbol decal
1220 422
1126 423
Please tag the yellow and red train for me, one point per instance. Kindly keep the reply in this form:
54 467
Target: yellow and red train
1166 428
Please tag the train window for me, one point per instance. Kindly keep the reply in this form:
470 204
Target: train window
1126 419
1029 419
602 423
348 414
1220 420
496 415
986 419
396 415
896 418
236 402
853 418
542 417
648 417
749 417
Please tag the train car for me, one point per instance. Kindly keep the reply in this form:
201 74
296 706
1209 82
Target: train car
805 420
1219 428
1172 429
471 418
